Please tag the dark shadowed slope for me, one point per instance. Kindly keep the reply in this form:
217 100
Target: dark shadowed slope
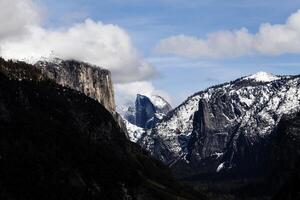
280 165
56 143
284 164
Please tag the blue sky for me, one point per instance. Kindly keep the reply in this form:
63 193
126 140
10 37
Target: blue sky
148 22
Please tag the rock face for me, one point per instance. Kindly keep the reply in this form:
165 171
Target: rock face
144 114
224 127
147 111
56 143
144 111
93 81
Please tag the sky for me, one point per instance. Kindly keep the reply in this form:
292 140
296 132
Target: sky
172 48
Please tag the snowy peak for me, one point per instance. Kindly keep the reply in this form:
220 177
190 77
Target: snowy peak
149 110
145 111
158 101
262 77
218 123
161 105
53 60
143 114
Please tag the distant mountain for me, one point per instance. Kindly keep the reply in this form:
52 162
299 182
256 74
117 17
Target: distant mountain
223 127
57 143
148 110
162 106
143 114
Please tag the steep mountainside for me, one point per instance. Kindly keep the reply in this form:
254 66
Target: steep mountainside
284 164
144 111
56 143
162 106
281 173
224 127
93 81
144 114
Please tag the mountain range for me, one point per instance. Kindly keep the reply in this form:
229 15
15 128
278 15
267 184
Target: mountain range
63 137
225 131
58 143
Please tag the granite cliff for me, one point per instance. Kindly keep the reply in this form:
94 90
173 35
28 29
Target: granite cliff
93 81
57 143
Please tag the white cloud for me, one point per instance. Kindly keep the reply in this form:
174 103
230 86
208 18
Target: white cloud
269 40
128 91
16 16
101 44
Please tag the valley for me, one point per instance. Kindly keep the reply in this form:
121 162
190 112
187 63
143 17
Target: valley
237 140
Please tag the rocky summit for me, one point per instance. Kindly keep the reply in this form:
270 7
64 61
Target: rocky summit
91 80
144 114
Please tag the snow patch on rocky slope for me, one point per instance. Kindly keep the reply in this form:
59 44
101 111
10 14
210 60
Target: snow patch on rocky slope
250 106
262 77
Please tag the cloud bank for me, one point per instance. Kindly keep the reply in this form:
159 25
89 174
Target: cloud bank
130 90
16 16
270 40
107 45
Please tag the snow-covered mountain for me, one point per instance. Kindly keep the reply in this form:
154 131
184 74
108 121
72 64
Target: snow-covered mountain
161 105
225 126
142 115
146 111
